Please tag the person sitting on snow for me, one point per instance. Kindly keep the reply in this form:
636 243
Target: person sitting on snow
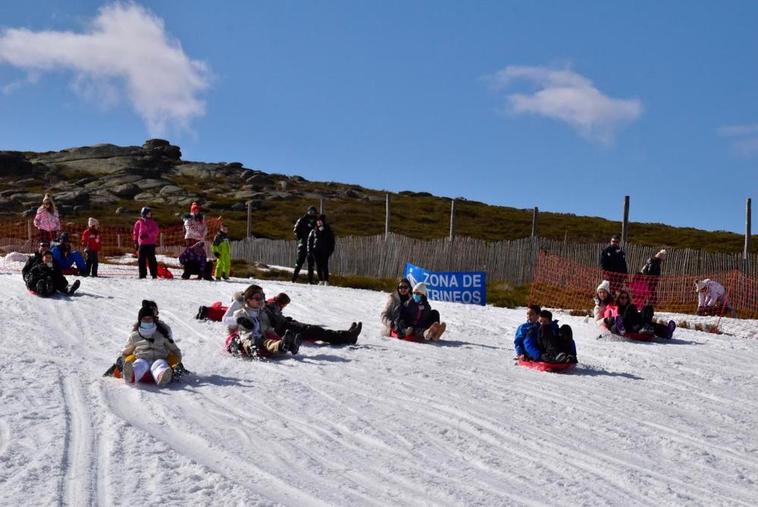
603 299
33 260
531 326
550 343
394 300
195 262
65 257
151 345
282 324
629 319
711 297
415 317
45 278
255 334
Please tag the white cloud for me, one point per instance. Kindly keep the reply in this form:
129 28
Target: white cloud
564 95
126 51
744 138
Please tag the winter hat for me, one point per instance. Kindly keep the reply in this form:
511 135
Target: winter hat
195 208
420 288
604 285
312 210
92 222
662 254
145 311
144 211
282 298
701 284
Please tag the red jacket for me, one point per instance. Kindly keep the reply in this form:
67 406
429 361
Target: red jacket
91 239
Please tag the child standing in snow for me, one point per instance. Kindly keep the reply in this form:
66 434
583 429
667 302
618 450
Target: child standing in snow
151 345
222 252
46 220
91 244
195 228
145 235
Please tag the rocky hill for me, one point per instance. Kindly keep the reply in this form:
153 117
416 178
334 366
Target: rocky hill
114 182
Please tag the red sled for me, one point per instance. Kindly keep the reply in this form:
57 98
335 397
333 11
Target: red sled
163 272
410 338
542 366
639 337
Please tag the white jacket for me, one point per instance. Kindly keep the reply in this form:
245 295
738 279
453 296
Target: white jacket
713 295
229 319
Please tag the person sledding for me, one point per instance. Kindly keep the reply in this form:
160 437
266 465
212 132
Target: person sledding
415 319
531 326
45 279
151 346
627 319
550 343
307 332
195 262
396 298
255 337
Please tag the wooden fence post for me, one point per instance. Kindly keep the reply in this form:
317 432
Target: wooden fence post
746 250
161 242
535 212
625 223
452 219
249 219
118 241
387 216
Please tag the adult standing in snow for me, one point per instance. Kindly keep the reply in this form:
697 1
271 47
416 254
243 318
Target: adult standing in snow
91 243
195 227
321 247
652 270
711 297
613 264
145 235
152 347
394 301
302 230
416 317
47 221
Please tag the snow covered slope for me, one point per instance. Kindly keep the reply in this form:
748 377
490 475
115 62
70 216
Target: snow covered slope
382 423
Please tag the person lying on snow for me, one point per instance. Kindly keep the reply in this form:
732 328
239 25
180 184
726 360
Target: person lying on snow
282 324
394 300
543 340
65 257
628 319
151 344
44 278
255 336
195 262
415 317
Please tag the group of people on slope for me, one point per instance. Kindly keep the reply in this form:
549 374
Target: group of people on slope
541 339
44 276
315 243
408 313
619 315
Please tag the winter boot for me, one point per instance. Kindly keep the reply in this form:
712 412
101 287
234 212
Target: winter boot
671 327
128 373
165 378
353 332
291 342
202 313
73 287
619 325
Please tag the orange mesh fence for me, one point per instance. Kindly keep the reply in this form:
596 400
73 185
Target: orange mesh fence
561 283
22 236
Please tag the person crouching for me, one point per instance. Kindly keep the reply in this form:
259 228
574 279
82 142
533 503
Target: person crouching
151 347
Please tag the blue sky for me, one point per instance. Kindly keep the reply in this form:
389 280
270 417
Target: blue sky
568 106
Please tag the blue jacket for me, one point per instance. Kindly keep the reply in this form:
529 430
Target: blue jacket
521 333
533 345
65 258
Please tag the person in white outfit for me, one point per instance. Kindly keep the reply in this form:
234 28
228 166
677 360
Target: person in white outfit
711 297
152 346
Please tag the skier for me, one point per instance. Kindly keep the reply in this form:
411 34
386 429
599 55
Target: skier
92 245
222 252
321 247
195 226
394 300
151 346
45 278
415 317
145 235
282 324
46 221
65 257
255 335
302 229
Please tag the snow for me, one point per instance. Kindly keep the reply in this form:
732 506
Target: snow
385 422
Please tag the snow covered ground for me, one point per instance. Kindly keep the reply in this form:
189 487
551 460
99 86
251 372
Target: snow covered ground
381 423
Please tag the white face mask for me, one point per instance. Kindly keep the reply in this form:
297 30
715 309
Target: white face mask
49 264
147 329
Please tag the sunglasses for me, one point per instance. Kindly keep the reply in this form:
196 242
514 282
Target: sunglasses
256 297
403 287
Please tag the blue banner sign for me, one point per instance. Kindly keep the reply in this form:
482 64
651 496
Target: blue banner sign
460 287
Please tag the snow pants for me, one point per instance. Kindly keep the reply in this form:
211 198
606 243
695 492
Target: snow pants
314 333
146 257
223 266
156 369
74 258
322 267
302 256
92 263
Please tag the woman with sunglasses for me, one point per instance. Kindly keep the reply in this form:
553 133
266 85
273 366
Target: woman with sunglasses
396 298
46 220
629 319
416 319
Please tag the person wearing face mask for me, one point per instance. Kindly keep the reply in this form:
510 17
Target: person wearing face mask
45 278
394 300
415 317
255 336
321 247
151 345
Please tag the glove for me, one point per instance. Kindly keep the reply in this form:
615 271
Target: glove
245 322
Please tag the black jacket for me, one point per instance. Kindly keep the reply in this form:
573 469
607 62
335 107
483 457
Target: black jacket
411 314
41 272
30 263
321 243
652 267
613 259
303 227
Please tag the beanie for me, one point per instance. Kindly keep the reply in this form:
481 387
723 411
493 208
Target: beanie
312 210
662 254
92 222
604 285
701 284
145 311
420 288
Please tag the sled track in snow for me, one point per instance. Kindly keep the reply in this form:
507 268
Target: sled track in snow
77 450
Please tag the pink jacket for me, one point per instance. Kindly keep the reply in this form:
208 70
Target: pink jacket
46 221
146 231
